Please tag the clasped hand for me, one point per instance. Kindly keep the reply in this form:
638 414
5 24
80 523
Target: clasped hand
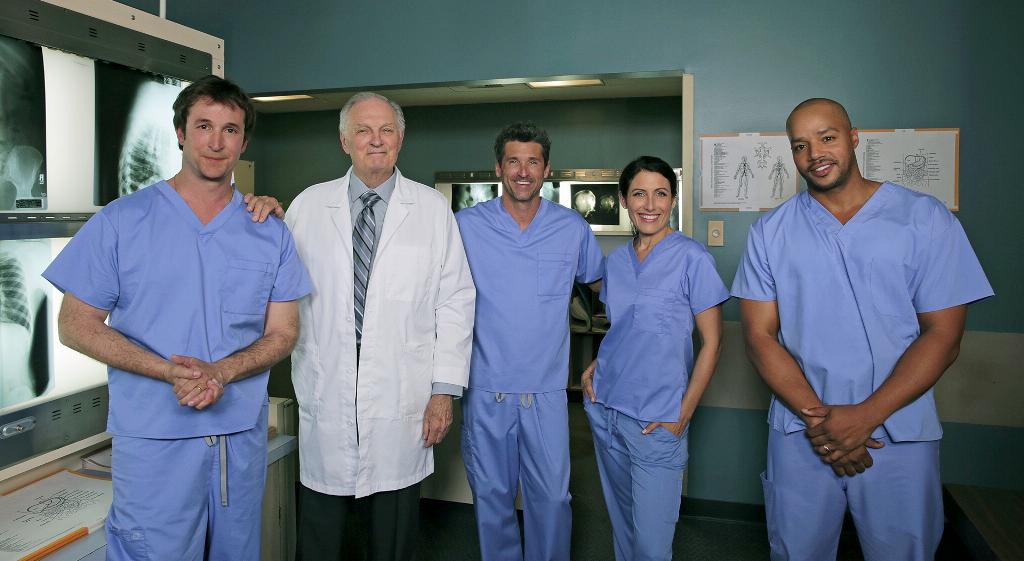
841 435
196 383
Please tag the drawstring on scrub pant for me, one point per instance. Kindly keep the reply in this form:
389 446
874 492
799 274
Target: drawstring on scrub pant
223 440
525 400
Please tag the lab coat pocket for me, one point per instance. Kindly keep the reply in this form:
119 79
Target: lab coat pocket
891 298
554 274
652 310
417 369
245 288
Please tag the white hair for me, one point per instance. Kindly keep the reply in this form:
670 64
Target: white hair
363 96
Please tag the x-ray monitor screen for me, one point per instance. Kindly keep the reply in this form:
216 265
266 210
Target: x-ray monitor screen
136 144
22 127
34 365
76 133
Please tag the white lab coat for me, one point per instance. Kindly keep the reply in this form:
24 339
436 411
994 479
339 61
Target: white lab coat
362 433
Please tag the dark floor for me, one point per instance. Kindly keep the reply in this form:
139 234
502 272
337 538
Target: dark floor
448 531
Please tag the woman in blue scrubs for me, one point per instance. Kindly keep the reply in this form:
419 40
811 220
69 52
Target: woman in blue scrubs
645 384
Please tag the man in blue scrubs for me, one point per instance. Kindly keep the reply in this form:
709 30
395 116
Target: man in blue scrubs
201 302
854 296
524 252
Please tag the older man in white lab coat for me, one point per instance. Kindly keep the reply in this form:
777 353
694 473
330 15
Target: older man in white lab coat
385 342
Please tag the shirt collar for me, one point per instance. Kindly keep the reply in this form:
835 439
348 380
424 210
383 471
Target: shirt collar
356 187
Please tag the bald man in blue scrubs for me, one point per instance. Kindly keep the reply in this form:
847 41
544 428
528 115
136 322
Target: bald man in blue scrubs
201 302
854 296
524 252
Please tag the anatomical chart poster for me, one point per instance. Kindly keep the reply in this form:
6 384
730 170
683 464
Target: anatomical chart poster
746 171
925 160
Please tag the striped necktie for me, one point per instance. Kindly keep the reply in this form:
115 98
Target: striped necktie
363 239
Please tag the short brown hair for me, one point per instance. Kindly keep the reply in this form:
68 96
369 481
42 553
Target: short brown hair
217 90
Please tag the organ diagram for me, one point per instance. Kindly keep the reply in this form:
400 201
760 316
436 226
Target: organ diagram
924 160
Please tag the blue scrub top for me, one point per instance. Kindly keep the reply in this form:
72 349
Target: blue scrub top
849 295
175 286
643 366
523 280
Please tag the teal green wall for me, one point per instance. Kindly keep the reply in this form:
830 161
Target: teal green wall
727 454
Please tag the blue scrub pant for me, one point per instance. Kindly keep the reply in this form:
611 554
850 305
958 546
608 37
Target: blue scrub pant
642 481
508 439
896 504
169 497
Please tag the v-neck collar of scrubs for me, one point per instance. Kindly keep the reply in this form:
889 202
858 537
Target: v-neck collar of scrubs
189 216
509 222
830 223
638 265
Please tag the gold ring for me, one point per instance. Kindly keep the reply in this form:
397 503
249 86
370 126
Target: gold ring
826 448
200 387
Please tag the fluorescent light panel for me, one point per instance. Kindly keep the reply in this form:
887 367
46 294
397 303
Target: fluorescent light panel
266 99
565 83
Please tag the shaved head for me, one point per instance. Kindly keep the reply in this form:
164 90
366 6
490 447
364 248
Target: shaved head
819 102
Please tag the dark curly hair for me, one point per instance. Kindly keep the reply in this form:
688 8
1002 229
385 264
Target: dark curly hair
522 132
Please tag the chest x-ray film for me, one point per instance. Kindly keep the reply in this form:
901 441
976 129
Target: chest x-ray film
34 365
136 144
24 335
22 127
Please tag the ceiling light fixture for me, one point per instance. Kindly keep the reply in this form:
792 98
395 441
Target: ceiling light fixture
267 99
565 83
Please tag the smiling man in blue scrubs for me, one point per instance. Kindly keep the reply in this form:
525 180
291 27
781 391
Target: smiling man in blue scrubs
854 296
524 252
201 302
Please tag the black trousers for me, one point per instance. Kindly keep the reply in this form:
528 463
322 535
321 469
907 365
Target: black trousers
385 525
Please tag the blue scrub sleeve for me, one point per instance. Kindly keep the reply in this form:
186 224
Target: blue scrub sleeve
949 273
702 283
754 280
87 266
590 266
292 281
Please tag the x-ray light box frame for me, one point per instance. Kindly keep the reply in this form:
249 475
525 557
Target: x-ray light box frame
108 31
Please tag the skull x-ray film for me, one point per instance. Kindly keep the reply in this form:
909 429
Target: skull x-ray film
136 144
22 127
24 331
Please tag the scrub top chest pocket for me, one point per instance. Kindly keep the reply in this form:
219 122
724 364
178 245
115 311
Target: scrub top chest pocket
554 274
890 295
654 310
246 286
